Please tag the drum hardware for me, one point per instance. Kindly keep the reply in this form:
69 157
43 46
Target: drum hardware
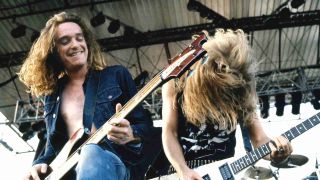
294 160
275 173
257 172
314 175
317 172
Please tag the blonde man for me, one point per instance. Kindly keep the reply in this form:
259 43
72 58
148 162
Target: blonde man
66 66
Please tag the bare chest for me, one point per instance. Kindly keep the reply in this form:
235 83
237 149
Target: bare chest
72 104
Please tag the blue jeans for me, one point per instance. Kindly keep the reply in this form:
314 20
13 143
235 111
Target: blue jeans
97 163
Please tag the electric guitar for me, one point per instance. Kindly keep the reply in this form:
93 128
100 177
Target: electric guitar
230 168
69 155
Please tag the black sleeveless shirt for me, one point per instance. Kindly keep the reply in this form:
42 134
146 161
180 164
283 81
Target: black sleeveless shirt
209 141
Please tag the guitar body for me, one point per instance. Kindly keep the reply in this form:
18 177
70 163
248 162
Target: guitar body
209 171
232 168
72 144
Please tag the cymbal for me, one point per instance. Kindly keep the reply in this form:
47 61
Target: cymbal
312 176
257 172
293 160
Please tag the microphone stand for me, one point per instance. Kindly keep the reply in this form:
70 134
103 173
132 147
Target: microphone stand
275 173
317 168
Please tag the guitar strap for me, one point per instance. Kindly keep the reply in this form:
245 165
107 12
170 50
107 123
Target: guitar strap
245 137
90 99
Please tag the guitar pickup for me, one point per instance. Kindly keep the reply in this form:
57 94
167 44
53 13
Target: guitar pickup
225 172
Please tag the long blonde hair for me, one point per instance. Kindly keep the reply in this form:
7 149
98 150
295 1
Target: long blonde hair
41 71
221 88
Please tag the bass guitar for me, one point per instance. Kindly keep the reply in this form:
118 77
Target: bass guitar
230 168
69 155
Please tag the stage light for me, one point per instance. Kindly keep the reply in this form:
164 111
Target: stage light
28 135
316 93
296 3
114 26
315 101
205 12
295 102
66 3
42 134
38 126
141 79
31 112
24 127
19 31
193 5
280 103
128 31
97 20
264 106
34 36
6 145
284 12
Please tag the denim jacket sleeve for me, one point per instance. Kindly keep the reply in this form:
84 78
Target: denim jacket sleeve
117 86
49 154
140 122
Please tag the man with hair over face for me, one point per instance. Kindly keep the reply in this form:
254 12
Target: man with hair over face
201 110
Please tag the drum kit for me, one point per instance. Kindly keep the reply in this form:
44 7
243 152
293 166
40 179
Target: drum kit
294 161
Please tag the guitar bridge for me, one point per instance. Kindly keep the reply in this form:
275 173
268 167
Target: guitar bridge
225 172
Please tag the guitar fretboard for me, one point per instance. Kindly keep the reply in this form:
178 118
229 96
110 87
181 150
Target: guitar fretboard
264 150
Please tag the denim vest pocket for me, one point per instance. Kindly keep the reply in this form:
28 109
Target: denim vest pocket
50 114
106 101
48 108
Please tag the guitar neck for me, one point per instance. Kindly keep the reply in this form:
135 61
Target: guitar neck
175 67
97 136
260 152
302 127
127 108
180 64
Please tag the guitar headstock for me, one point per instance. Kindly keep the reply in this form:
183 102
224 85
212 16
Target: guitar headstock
185 59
